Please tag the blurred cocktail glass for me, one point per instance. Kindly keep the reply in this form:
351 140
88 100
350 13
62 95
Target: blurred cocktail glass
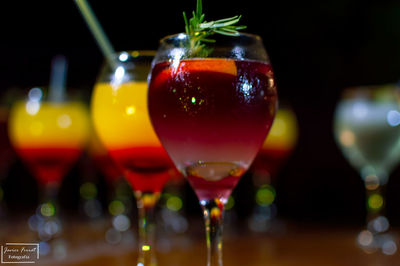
49 137
276 149
122 122
367 130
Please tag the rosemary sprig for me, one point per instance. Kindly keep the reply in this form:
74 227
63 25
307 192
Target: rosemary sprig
200 30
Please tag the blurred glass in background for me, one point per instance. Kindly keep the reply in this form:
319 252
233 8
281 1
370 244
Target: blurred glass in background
367 130
49 133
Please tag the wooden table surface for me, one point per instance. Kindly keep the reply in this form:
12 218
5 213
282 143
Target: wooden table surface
295 246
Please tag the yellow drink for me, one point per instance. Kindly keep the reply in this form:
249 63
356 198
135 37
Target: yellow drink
123 124
279 143
120 115
48 136
51 125
284 131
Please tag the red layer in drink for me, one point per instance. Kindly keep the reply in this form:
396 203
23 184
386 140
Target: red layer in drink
206 190
49 165
107 166
147 169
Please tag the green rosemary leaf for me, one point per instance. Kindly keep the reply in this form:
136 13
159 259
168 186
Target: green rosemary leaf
242 27
223 32
230 29
186 22
226 19
225 24
208 40
199 8
202 18
199 30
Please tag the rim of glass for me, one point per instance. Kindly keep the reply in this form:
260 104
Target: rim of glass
171 36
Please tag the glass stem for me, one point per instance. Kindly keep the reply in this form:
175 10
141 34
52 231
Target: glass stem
146 203
49 193
48 211
376 203
213 216
48 200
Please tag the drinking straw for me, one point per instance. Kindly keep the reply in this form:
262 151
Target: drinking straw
57 78
97 31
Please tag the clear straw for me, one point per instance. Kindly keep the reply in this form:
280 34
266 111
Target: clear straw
97 31
57 78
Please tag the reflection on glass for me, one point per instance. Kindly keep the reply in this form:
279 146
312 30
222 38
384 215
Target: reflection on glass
275 151
49 137
367 129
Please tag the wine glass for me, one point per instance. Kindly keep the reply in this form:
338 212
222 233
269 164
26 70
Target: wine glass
212 115
49 137
122 122
276 149
367 131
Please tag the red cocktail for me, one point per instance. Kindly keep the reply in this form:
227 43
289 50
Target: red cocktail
212 116
212 107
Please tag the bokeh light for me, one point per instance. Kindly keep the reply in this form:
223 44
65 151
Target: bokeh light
116 207
47 209
375 202
88 190
265 195
230 203
113 236
393 118
121 223
365 238
92 208
371 182
130 110
389 247
123 56
379 224
347 138
64 121
174 203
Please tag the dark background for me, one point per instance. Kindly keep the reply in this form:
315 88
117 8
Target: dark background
317 48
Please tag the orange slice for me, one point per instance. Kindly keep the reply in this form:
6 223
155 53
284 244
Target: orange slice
218 65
